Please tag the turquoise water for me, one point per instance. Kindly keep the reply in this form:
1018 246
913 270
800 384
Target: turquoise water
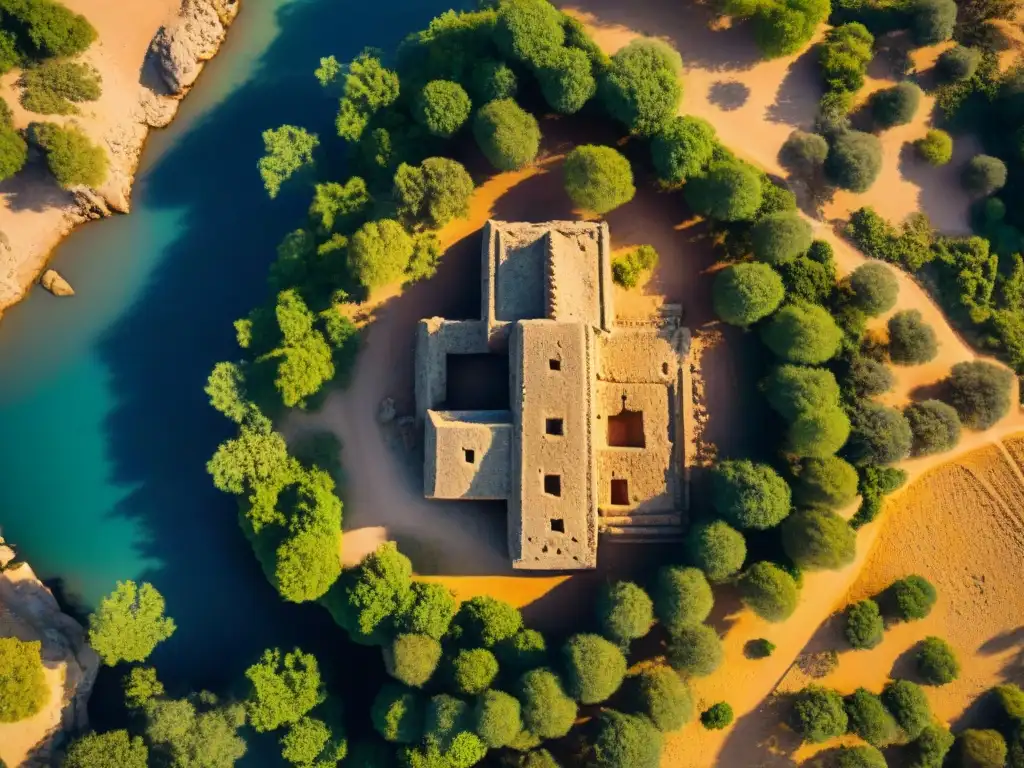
105 428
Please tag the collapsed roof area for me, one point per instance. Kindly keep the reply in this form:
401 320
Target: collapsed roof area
585 435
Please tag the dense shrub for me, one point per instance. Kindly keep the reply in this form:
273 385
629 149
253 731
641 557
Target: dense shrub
442 107
529 30
828 483
728 191
844 57
567 80
594 668
911 340
72 158
494 80
682 597
803 152
802 333
868 377
912 597
624 611
497 719
808 278
55 86
758 648
434 192
749 495
818 714
909 705
980 392
682 149
818 539
932 746
744 293
45 28
485 621
548 712
874 288
865 628
935 426
664 698
283 687
13 152
129 623
936 148
833 116
1011 701
958 63
508 136
783 27
932 21
860 757
854 160
895 106
695 649
716 548
412 659
869 718
598 179
769 591
983 175
717 716
879 435
113 749
977 748
431 612
627 269
526 649
624 741
781 237
473 670
794 390
818 434
23 687
379 253
936 661
641 88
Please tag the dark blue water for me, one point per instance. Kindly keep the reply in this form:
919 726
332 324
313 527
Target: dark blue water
104 427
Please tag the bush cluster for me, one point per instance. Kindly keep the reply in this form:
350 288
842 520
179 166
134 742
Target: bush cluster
716 548
819 714
936 147
769 591
980 392
717 716
895 106
936 661
802 333
628 268
682 149
911 340
641 88
744 293
72 158
55 86
749 495
869 719
865 628
934 425
598 179
854 160
912 597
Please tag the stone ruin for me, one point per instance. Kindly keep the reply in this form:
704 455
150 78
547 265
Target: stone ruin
572 417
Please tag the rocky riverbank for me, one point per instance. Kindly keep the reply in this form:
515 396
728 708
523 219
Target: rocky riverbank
29 611
148 59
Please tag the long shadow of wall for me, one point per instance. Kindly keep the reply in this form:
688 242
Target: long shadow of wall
160 351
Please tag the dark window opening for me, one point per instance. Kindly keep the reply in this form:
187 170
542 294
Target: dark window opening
558 525
476 383
553 426
664 368
620 491
555 365
470 455
553 485
626 429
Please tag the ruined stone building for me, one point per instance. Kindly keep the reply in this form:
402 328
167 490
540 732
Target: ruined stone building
551 404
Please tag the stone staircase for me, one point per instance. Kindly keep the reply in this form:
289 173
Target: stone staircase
638 527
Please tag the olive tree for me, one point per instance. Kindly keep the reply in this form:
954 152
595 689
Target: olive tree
854 160
983 175
728 191
744 293
818 539
865 628
749 495
286 150
802 333
598 179
793 390
13 152
282 688
912 597
769 591
485 621
873 288
936 661
909 705
819 714
934 425
716 548
781 237
879 435
682 149
397 714
864 756
980 392
508 135
896 105
641 89
911 340
528 30
71 157
682 597
869 718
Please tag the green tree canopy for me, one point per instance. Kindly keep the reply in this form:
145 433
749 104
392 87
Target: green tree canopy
869 718
195 731
794 390
781 237
624 611
129 623
936 661
896 105
728 191
932 21
72 158
473 670
744 293
494 80
981 748
718 716
935 426
286 150
865 628
432 609
958 63
380 252
828 483
863 756
663 698
804 152
913 597
412 659
548 712
434 192
682 149
442 107
879 435
783 27
526 649
624 741
818 714
369 86
818 539
13 152
695 649
874 288
716 548
682 596
374 596
567 80
980 392
641 89
497 717
397 714
749 495
23 687
594 668
114 749
311 742
769 591
803 333
983 175
336 207
529 30
911 340
854 160
282 688
909 705
935 147
508 135
484 621
598 179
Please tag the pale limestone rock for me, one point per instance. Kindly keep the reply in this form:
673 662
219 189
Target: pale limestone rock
55 284
193 38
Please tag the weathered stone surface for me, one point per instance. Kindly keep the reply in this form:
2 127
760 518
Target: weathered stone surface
386 412
55 284
194 37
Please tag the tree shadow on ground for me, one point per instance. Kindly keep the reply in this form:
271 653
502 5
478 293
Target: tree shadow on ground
762 737
795 104
728 95
34 188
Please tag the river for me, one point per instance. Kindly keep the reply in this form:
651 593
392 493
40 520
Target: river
105 427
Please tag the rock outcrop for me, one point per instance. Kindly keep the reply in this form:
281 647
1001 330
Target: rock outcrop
29 611
56 284
180 48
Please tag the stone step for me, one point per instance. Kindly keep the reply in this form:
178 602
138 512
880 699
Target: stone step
675 521
661 539
659 531
606 512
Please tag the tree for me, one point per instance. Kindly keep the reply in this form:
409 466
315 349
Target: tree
431 611
781 237
913 597
528 30
434 192
716 548
641 89
663 698
540 758
860 757
869 718
494 80
874 288
311 741
484 621
397 714
908 704
784 27
226 388
627 269
795 390
911 340
567 80
682 149
286 150
868 377
818 714
369 87
933 745
844 57
828 483
895 106
728 191
935 426
695 649
981 748
598 179
803 152
50 28
337 206
497 717
980 392
624 741
936 147
442 107
13 152
72 158
818 539
526 649
195 731
769 591
23 687
983 175
1011 702
932 21
936 661
371 599
717 716
114 749
594 668
412 659
749 495
141 686
818 434
379 253
864 626
474 670
958 63
306 561
508 136
282 688
624 611
257 463
802 333
854 160
129 623
682 597
879 435
744 293
547 711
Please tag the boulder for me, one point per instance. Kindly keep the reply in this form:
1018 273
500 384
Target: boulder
194 37
55 284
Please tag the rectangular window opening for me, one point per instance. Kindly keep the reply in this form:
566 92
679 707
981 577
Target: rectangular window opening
553 485
470 455
558 525
553 427
626 429
555 365
620 491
